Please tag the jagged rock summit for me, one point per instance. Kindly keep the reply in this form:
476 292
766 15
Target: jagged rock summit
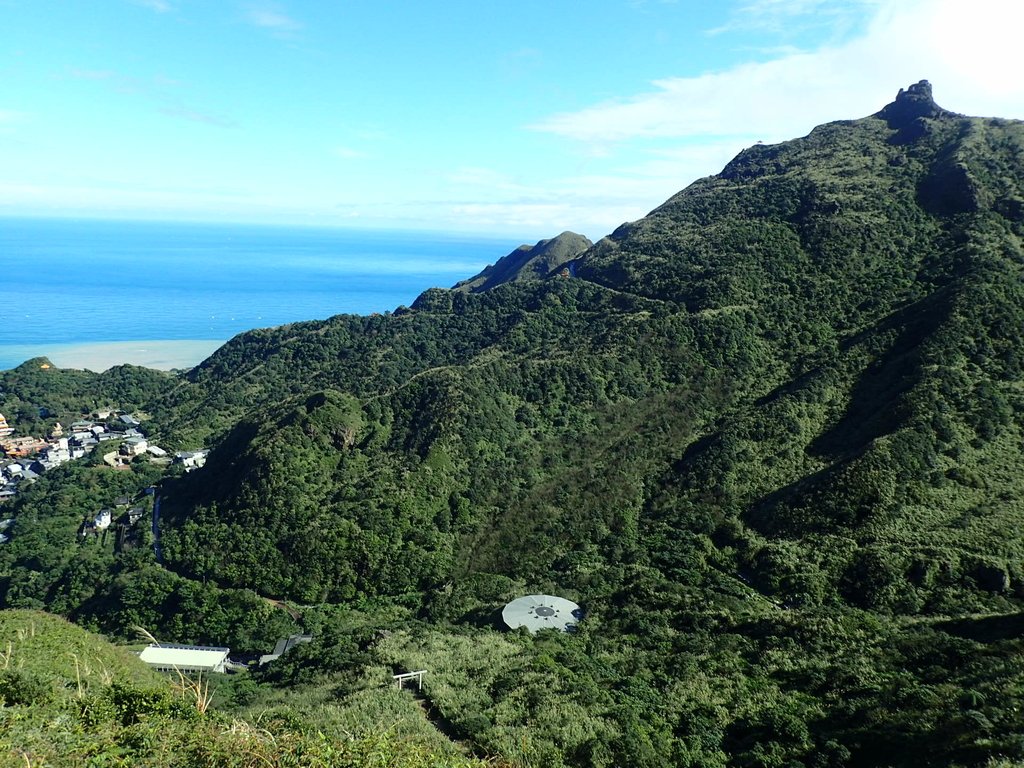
911 104
527 262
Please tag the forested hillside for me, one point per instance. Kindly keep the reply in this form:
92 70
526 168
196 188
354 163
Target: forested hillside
769 437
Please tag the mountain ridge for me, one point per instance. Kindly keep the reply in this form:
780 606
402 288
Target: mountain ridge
774 232
767 436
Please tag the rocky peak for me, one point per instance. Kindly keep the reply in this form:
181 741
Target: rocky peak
911 104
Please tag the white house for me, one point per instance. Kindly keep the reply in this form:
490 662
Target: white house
102 520
134 446
191 459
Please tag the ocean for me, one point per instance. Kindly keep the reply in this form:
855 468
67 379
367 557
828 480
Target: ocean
89 294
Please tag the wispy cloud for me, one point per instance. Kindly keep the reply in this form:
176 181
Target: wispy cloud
781 16
164 92
160 6
272 17
593 203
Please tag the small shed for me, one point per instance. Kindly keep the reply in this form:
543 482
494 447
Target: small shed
185 658
284 645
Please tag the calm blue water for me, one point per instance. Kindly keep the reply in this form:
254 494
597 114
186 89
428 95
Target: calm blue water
81 282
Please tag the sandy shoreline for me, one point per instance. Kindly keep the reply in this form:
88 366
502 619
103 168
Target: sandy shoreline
99 356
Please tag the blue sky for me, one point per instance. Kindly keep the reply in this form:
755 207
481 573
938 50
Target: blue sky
520 118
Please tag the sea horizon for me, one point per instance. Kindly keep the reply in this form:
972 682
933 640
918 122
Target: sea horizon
92 293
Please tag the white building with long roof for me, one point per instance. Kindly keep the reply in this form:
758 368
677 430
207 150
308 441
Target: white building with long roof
185 658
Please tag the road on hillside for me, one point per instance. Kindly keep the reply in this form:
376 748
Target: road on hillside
157 550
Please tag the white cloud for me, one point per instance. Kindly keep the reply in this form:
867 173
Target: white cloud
787 16
969 55
687 127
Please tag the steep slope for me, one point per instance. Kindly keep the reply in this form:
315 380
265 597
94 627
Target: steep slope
817 342
769 436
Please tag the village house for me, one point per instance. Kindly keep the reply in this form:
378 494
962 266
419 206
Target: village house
102 520
191 459
82 437
22 446
134 446
55 454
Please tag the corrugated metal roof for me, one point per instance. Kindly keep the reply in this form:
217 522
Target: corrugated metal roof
184 656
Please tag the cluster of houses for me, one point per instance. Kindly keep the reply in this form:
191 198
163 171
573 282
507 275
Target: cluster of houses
24 459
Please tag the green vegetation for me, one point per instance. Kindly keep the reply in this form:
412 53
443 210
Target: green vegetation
769 437
110 581
69 698
524 263
36 394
